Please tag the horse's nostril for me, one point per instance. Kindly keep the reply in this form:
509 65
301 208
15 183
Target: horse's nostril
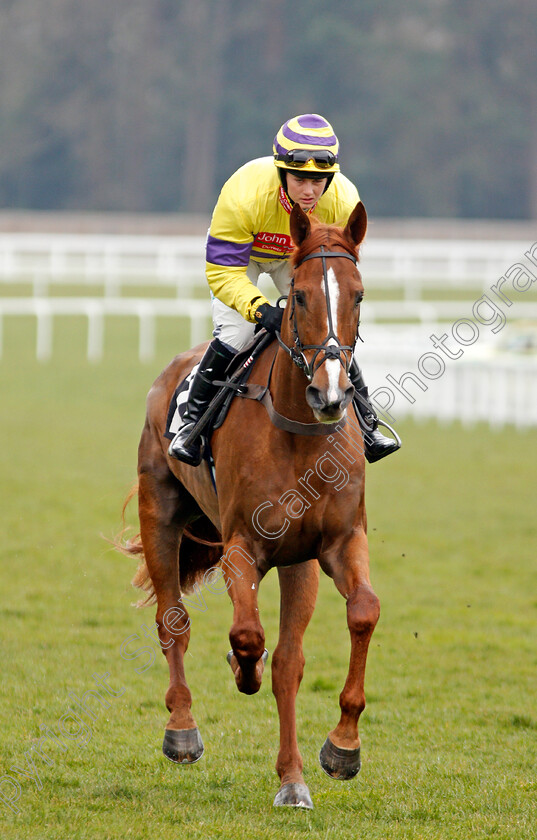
314 397
349 395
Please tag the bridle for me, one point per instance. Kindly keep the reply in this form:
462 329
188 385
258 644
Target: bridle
330 351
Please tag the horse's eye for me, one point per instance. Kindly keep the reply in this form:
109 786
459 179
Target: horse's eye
358 298
300 298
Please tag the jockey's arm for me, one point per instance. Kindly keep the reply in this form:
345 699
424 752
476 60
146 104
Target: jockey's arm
231 285
229 244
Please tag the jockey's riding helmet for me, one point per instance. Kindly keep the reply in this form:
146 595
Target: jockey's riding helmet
307 146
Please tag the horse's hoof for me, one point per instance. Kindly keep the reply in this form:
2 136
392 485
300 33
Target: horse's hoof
339 763
184 746
263 658
295 795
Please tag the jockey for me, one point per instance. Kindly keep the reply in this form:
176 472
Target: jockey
249 235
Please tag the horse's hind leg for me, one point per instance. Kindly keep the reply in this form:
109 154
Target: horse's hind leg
164 508
298 586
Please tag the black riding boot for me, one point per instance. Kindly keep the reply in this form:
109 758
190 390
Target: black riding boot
376 445
202 389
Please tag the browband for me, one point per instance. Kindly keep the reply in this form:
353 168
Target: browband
325 254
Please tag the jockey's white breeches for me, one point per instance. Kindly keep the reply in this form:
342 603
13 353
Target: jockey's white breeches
230 327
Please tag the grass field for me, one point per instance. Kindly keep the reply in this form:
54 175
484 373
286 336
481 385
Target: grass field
449 736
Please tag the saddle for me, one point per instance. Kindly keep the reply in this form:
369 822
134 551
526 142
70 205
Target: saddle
237 374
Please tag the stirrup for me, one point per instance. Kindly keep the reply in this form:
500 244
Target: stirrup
360 403
189 452
377 445
392 430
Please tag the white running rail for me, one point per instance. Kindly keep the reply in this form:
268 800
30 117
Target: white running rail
178 262
198 312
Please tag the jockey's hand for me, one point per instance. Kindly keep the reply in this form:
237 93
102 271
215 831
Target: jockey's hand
269 317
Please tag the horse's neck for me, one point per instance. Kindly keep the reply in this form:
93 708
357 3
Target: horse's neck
288 389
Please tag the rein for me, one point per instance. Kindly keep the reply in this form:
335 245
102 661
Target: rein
330 351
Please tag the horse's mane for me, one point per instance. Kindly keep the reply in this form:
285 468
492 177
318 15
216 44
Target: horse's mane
327 235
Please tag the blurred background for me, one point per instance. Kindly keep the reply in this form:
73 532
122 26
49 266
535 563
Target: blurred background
149 105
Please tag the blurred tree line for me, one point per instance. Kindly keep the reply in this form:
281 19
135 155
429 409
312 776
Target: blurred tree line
149 105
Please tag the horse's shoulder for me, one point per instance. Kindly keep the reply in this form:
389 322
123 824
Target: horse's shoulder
263 364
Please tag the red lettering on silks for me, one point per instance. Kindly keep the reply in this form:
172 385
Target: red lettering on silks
280 242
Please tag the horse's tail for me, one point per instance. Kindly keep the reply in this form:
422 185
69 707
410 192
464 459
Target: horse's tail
197 554
132 547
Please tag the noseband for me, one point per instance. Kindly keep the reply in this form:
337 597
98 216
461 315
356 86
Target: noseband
330 351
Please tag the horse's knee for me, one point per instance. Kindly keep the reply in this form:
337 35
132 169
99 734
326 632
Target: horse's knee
248 642
363 610
287 658
287 668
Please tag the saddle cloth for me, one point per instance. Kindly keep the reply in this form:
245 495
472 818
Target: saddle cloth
177 405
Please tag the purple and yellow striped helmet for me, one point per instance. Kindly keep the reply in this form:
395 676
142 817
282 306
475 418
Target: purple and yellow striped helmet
307 143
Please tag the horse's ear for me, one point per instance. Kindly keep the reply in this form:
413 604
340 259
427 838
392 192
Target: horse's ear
299 224
357 224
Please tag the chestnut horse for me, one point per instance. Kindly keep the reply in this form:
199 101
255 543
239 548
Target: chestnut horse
258 519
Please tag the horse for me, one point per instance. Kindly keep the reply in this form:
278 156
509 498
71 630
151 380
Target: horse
258 519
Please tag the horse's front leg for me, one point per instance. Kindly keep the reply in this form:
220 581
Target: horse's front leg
298 586
348 565
247 656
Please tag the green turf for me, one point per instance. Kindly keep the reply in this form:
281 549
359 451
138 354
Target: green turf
450 731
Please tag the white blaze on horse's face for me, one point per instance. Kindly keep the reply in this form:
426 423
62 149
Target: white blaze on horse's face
330 390
333 366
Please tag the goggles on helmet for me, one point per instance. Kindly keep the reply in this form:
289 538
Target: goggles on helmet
298 158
